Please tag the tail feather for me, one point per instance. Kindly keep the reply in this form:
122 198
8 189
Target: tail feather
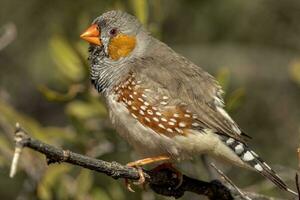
254 161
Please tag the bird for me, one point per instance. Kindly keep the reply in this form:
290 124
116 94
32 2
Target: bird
166 107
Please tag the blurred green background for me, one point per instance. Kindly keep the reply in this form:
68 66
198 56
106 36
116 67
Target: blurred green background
252 47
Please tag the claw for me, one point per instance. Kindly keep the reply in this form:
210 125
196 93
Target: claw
128 186
141 180
179 177
137 164
142 177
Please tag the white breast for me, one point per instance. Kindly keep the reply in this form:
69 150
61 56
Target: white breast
144 140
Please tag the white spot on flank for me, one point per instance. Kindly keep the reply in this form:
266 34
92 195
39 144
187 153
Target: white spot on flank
142 112
179 130
143 107
163 103
248 156
171 123
188 111
182 124
131 96
165 97
140 99
158 113
133 108
150 112
129 102
175 115
135 93
258 167
147 119
195 116
239 149
187 115
132 83
146 103
143 95
133 115
129 88
173 120
156 119
229 141
161 126
163 119
154 108
170 130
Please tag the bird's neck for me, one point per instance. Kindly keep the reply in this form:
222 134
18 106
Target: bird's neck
104 73
107 73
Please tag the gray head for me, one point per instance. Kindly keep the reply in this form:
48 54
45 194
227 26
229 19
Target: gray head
115 39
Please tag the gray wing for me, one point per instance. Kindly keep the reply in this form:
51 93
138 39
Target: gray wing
189 84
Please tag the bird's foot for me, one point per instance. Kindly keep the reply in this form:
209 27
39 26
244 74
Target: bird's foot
141 180
137 164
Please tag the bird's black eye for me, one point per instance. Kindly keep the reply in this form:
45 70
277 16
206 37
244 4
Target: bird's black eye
113 31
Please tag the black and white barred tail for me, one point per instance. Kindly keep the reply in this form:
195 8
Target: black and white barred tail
253 160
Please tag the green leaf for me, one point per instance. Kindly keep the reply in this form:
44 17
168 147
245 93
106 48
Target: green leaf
84 182
294 71
223 77
53 95
85 110
66 59
3 161
235 99
5 145
11 116
50 179
116 191
60 134
140 8
99 193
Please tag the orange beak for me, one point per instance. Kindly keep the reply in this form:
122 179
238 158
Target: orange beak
91 35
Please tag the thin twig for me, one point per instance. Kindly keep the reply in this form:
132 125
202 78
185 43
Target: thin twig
18 150
230 182
162 182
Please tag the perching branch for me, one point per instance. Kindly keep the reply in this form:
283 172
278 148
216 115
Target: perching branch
163 182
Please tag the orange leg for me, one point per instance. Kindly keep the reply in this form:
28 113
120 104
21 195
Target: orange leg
147 161
137 164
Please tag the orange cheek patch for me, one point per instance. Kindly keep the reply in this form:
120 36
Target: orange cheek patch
121 46
169 121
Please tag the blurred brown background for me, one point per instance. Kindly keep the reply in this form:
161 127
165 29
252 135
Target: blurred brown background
252 47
